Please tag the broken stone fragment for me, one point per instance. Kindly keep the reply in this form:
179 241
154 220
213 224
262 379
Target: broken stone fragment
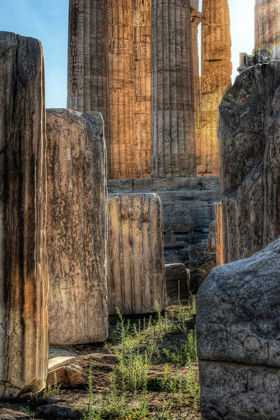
77 227
136 275
238 320
23 256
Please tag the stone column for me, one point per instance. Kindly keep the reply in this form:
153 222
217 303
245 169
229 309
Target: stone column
195 21
142 80
23 257
77 227
215 80
136 275
267 26
173 135
87 59
121 88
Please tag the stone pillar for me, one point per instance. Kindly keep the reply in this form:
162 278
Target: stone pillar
173 134
142 81
267 26
121 88
136 275
23 257
109 70
215 80
195 21
77 227
87 58
219 235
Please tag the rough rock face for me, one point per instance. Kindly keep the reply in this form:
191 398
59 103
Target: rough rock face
177 282
77 227
136 275
215 80
23 257
173 132
238 309
250 161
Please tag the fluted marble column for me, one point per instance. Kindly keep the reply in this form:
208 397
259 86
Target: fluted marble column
267 26
216 70
173 136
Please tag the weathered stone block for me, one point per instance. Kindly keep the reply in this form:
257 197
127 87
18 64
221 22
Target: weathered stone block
178 279
250 161
136 275
77 227
238 309
23 256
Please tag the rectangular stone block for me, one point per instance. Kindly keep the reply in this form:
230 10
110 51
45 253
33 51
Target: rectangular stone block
77 227
23 256
135 253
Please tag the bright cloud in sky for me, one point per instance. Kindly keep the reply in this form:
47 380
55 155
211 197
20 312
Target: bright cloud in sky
48 21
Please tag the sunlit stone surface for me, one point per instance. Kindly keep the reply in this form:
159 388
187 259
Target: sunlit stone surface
23 257
77 227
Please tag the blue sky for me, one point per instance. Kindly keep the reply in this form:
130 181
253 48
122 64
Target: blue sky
48 21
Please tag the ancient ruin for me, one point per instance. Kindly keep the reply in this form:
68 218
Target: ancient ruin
115 211
23 256
127 62
76 227
136 282
238 338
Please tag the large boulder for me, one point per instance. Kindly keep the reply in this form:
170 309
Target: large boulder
77 227
23 252
238 339
250 161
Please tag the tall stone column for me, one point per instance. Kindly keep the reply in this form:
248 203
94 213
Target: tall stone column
142 80
215 80
121 87
87 59
267 26
173 135
23 256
